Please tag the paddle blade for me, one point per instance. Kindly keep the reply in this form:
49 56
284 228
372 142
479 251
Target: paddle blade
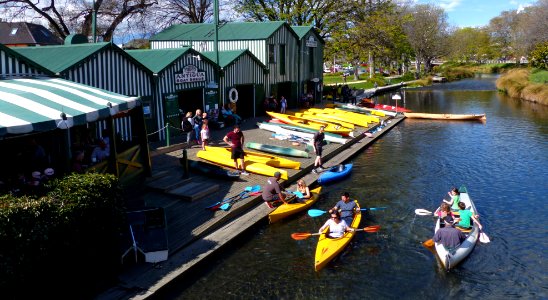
429 244
300 235
298 194
422 212
255 188
315 212
226 206
484 238
373 228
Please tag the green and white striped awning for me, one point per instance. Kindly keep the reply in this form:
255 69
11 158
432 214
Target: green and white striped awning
42 104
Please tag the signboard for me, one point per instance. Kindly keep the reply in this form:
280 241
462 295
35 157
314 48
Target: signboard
211 98
311 42
190 73
171 105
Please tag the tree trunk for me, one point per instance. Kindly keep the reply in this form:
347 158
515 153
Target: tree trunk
418 69
371 65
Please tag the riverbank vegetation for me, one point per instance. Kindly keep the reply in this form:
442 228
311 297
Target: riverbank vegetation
527 84
64 244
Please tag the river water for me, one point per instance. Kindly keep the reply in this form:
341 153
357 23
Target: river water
504 165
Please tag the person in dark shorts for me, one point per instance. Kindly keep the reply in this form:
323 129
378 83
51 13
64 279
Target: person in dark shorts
235 139
318 147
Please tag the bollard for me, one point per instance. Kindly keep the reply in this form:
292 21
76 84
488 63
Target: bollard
184 163
167 135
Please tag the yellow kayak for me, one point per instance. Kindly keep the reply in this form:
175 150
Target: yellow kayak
354 115
273 161
250 166
329 127
325 118
329 248
286 210
327 114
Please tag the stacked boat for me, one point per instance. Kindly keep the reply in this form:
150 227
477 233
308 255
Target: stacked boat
255 162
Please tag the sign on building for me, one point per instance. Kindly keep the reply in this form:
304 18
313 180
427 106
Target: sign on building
190 73
311 42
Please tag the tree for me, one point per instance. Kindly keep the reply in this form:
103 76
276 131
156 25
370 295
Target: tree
539 56
184 11
470 44
75 16
325 15
426 30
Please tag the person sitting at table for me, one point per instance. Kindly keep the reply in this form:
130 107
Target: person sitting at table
100 152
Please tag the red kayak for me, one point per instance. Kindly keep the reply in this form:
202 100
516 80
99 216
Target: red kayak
391 108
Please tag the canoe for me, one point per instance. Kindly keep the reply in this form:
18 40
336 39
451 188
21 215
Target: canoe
277 150
270 160
211 170
288 209
459 117
391 108
305 133
324 117
451 259
335 174
329 248
329 127
250 166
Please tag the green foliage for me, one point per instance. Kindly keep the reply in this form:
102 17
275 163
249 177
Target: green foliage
69 236
539 76
539 56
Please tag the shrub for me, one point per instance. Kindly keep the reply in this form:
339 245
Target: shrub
539 56
65 243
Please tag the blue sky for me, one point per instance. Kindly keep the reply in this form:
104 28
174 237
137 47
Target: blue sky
473 13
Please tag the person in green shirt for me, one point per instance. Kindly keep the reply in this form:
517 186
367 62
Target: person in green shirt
466 218
455 199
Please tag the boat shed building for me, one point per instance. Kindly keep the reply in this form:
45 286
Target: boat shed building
275 44
100 65
311 46
182 82
38 108
241 80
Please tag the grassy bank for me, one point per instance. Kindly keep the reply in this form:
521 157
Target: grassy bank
526 84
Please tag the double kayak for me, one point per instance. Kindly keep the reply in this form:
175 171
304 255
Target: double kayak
250 166
328 248
294 207
335 173
277 150
450 259
270 160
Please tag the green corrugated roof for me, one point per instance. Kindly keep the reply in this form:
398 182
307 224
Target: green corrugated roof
158 59
60 58
302 31
10 52
228 57
227 32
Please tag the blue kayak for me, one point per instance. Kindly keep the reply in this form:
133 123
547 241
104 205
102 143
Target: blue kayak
335 173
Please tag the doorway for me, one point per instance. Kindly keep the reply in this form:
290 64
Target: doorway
191 100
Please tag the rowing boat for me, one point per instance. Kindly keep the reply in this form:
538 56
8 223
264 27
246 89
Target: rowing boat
335 173
250 166
450 259
328 127
277 150
391 108
294 207
459 117
329 248
267 159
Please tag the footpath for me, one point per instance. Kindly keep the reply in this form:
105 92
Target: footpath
195 233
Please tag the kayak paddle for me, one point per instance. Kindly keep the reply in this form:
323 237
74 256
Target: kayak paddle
483 237
423 212
304 235
317 212
429 245
246 189
228 205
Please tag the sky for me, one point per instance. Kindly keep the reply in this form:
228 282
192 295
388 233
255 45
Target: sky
475 13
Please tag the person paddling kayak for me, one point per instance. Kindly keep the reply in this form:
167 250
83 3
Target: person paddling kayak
337 226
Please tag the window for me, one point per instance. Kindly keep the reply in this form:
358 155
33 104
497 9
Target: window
272 54
282 59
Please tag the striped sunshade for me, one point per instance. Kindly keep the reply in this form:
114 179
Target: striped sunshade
42 104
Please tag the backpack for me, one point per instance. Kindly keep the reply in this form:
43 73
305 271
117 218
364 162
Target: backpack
187 126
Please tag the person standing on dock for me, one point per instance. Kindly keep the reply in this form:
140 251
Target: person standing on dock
235 139
318 147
